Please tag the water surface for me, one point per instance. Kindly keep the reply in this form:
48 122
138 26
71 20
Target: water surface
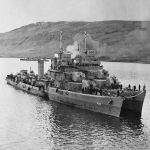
30 123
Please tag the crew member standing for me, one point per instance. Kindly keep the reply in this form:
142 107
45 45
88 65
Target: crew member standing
139 87
134 87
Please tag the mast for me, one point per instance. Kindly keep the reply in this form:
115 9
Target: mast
60 45
85 34
30 68
60 41
78 47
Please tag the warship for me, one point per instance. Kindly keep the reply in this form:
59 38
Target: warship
78 79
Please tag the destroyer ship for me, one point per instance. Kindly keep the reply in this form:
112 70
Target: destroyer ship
78 79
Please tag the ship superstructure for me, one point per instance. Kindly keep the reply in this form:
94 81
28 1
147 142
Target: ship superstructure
68 73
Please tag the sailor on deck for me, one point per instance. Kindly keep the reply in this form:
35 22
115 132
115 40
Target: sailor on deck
139 87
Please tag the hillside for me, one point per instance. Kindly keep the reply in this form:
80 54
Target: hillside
118 40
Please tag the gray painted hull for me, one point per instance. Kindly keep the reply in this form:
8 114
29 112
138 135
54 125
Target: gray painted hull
102 104
134 103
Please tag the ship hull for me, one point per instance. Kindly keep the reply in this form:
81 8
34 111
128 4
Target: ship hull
134 103
103 104
27 88
112 106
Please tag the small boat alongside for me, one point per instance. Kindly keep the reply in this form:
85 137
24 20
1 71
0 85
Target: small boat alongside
78 79
22 84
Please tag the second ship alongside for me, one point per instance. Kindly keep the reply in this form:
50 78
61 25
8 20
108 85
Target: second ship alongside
80 81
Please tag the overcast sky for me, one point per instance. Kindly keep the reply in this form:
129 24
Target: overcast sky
16 13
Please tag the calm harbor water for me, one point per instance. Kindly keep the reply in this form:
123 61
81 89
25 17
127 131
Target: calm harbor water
30 123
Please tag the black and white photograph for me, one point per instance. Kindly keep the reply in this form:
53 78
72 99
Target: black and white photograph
74 75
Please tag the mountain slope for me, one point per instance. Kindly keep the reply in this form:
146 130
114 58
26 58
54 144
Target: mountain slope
118 40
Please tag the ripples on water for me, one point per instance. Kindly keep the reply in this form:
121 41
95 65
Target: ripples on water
31 123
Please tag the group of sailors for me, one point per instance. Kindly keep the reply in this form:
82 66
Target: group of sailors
101 91
139 87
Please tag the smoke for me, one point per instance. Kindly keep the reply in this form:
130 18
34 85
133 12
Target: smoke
78 48
56 56
73 49
90 43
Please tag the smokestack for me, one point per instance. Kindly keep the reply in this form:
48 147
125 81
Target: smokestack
40 68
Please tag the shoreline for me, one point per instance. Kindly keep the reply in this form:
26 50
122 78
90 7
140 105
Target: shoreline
122 61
